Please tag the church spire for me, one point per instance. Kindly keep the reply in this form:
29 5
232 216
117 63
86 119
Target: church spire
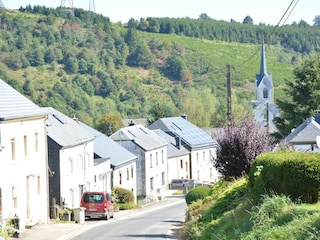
263 62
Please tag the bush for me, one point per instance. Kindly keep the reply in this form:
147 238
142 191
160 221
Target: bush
292 174
122 195
197 193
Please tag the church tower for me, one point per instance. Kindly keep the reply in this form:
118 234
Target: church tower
263 83
263 105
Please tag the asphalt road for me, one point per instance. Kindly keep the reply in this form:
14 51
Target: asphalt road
159 221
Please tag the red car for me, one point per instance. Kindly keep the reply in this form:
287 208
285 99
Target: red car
97 205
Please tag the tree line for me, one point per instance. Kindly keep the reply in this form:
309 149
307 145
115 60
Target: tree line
291 36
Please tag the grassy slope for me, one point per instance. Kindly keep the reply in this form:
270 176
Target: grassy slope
229 214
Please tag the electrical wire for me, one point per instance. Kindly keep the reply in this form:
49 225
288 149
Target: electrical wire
273 31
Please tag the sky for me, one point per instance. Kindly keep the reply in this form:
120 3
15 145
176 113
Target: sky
261 11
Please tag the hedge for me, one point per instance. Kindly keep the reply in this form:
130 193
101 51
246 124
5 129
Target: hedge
296 175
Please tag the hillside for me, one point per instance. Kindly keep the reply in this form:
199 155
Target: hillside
229 213
88 66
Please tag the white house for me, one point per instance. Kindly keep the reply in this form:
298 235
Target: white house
178 157
23 159
70 157
202 147
114 166
151 151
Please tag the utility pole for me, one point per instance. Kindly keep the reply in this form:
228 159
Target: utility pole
92 7
229 112
65 11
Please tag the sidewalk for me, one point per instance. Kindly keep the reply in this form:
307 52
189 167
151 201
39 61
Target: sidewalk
65 231
62 230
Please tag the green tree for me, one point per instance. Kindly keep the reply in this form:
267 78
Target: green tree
109 123
175 66
248 20
316 21
302 96
141 56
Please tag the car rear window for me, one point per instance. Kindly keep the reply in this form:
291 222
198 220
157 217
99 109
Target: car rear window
93 198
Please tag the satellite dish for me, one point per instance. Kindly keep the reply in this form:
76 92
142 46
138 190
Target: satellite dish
318 141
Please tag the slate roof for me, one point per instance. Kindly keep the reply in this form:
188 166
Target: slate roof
142 136
106 148
305 133
14 105
173 148
193 136
64 130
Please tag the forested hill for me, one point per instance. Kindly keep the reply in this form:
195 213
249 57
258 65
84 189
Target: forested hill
83 64
299 37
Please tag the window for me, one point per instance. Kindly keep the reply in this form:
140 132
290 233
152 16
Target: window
39 185
162 156
14 197
157 159
36 139
70 167
131 172
265 93
25 141
95 178
13 149
181 164
151 184
150 160
163 178
120 177
127 173
204 155
197 157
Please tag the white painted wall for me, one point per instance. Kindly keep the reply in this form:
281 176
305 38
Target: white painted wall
125 177
178 167
76 166
102 177
24 180
202 167
156 168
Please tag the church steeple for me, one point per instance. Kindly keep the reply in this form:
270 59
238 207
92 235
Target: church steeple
263 62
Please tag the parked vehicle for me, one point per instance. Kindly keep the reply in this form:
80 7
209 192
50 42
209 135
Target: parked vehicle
179 183
97 205
195 183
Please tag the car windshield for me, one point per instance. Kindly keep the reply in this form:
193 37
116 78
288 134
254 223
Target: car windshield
93 197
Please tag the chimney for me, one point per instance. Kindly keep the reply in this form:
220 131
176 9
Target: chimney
184 116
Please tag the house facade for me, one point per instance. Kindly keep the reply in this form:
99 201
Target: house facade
114 166
151 152
202 147
70 157
178 157
23 159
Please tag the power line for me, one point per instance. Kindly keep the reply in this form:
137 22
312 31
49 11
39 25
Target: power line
272 32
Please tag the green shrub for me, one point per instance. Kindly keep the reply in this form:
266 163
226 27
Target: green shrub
196 193
292 174
122 195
